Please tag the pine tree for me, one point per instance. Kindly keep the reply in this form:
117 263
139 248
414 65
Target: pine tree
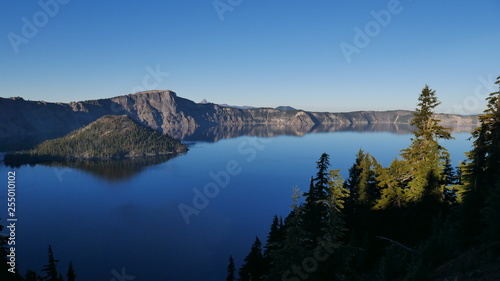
273 244
352 182
315 213
450 183
391 183
336 197
253 268
362 182
230 270
51 268
71 273
481 179
425 157
295 240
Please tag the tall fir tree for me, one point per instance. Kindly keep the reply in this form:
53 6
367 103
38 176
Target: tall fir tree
314 212
273 244
337 194
362 182
253 268
480 209
295 240
71 272
231 270
425 157
391 184
450 183
50 268
352 182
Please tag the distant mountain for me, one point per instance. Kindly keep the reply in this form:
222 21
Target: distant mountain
238 106
109 137
166 112
204 101
285 107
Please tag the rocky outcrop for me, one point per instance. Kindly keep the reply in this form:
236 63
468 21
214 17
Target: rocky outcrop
168 113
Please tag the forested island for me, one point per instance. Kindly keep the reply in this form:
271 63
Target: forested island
417 219
110 137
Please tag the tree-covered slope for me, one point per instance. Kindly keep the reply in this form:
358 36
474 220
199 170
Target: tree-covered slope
108 137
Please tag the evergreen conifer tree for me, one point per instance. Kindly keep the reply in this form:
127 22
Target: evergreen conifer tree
314 212
253 269
71 272
481 210
362 182
295 240
50 268
391 183
425 157
273 244
231 270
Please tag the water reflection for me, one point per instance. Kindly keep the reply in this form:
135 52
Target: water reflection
216 133
109 170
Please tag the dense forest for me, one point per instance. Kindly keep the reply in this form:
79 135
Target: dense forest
108 137
420 218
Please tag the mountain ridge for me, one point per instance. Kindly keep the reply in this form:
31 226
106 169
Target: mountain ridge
166 112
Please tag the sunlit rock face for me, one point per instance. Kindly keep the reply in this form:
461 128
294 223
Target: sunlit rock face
179 117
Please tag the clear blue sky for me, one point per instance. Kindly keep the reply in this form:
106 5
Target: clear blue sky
263 53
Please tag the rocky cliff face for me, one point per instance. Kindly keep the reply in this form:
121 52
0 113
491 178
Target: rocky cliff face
168 113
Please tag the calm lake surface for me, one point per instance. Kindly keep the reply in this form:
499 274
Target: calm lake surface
124 217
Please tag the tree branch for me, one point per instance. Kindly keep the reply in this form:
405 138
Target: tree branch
399 244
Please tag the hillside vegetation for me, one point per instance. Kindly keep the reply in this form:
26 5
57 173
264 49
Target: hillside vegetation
108 137
417 219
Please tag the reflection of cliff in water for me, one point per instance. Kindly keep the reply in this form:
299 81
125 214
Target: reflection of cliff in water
216 133
110 170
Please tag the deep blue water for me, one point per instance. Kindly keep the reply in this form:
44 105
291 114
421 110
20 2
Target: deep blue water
104 225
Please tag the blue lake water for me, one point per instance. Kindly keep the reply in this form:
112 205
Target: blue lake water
132 223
